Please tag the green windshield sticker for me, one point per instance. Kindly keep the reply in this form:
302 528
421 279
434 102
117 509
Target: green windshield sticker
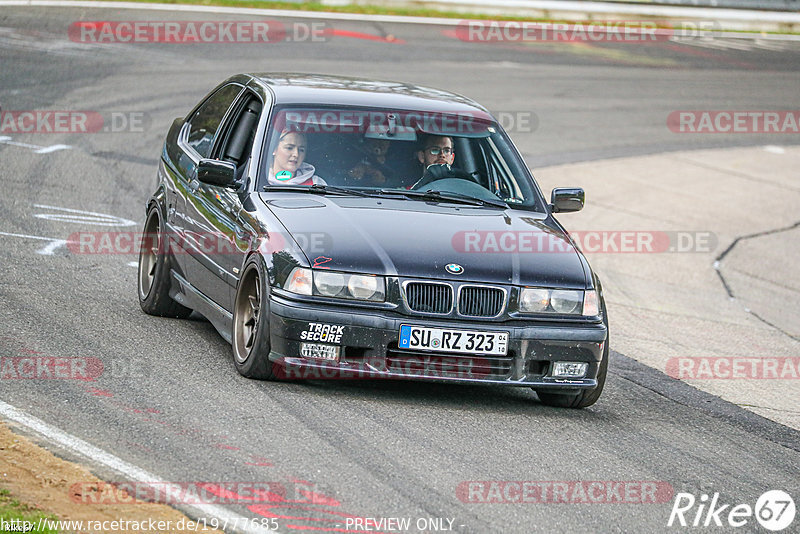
283 176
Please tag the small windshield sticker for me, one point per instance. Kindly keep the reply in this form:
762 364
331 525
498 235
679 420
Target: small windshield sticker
283 176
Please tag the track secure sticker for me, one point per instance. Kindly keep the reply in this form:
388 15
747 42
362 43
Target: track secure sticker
283 176
330 333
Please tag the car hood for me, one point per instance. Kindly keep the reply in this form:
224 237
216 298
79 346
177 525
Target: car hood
417 239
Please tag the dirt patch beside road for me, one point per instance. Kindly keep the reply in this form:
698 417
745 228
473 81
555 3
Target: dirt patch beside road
39 479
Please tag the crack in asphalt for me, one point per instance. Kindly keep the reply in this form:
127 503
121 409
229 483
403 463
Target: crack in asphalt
718 268
768 408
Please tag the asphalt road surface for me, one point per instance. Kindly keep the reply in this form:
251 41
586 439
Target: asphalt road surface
169 399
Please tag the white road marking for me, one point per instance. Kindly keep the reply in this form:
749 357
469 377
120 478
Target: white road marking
130 471
26 236
724 42
82 217
51 148
48 249
772 149
36 148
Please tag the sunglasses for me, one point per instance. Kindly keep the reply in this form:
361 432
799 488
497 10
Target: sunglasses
436 150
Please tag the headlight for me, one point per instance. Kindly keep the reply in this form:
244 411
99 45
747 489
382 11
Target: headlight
328 284
563 301
334 284
534 300
366 287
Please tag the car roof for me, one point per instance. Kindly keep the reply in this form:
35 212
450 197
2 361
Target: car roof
303 88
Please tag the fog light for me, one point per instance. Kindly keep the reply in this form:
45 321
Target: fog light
570 369
319 351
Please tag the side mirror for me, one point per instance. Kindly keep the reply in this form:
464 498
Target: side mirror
566 199
216 172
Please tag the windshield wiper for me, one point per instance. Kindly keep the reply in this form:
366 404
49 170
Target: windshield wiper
319 189
436 196
446 196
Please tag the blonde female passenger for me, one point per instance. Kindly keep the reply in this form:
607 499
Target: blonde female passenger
288 162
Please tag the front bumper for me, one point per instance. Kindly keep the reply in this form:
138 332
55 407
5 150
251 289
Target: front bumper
368 345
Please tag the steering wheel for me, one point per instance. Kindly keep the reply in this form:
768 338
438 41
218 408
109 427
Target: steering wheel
442 171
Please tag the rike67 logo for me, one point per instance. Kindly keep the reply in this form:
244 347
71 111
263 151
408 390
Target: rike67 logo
774 510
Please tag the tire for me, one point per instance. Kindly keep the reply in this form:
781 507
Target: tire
584 398
153 276
250 337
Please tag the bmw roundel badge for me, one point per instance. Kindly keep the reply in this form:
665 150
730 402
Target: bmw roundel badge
454 268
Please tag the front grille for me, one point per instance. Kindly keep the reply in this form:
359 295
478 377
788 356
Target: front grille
418 363
479 301
429 298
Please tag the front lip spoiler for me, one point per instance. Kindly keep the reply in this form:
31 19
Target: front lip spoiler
305 369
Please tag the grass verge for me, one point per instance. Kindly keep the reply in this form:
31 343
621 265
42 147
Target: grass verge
406 12
15 514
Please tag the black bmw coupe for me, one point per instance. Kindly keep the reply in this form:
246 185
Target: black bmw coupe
335 227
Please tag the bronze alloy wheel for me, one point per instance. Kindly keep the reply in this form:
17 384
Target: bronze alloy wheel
246 315
251 346
148 254
154 271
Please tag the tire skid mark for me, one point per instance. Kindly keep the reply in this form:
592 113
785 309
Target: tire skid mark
148 415
260 461
313 420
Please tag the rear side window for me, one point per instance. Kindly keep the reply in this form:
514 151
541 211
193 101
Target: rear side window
204 123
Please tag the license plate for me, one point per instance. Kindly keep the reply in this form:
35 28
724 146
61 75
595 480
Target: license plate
446 340
319 351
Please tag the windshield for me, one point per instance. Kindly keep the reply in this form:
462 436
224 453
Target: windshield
456 156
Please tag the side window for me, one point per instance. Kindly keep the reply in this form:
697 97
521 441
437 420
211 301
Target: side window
241 131
205 121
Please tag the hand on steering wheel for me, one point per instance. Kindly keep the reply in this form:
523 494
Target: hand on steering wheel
441 171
